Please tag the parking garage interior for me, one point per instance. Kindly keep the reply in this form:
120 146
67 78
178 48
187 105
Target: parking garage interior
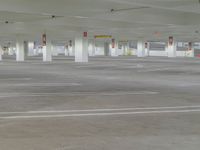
99 75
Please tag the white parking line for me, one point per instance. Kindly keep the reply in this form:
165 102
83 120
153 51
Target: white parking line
114 93
41 84
87 66
11 79
101 114
156 69
103 110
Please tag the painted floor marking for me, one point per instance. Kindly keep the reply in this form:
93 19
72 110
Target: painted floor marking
42 84
100 114
11 79
156 69
114 93
103 110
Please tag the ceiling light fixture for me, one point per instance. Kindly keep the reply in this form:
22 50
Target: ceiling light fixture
52 16
128 9
80 17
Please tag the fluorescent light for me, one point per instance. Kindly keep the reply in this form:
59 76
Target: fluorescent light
80 17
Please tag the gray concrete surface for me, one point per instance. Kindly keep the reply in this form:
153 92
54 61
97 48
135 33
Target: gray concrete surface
122 103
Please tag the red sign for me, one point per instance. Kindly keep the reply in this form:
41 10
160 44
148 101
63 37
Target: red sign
85 34
113 43
44 40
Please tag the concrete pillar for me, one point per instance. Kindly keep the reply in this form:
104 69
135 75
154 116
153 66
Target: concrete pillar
125 48
47 52
171 49
146 49
66 50
54 50
140 49
10 51
190 51
47 49
114 48
91 48
106 49
1 53
71 48
31 49
26 48
81 48
35 51
20 50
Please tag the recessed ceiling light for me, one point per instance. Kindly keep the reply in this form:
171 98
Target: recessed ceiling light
19 22
46 14
80 17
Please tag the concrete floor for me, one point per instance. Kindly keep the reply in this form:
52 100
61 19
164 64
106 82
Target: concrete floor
122 103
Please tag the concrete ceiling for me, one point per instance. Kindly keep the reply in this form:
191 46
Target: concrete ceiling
131 19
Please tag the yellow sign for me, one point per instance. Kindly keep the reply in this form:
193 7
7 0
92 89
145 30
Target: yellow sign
102 36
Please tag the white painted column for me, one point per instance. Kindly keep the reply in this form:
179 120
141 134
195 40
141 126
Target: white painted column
1 53
47 52
140 49
123 47
47 49
31 49
54 50
71 48
35 50
26 48
10 51
66 50
114 48
171 49
107 49
20 54
91 48
146 49
81 48
128 50
190 51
